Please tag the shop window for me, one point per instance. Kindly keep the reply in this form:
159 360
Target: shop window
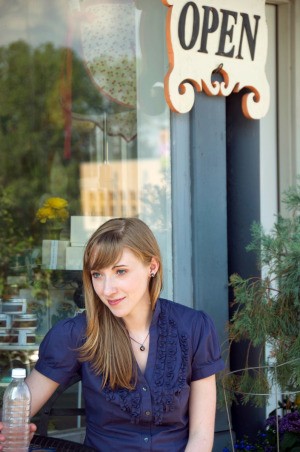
83 121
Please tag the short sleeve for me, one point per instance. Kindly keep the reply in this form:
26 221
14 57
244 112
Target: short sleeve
58 355
207 358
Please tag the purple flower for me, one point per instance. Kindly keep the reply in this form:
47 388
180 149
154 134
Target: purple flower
290 423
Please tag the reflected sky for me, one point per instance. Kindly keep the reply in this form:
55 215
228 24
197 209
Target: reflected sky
33 21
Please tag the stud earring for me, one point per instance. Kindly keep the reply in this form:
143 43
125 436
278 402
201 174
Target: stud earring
152 274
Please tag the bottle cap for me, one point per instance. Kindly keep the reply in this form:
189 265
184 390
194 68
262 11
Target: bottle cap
18 373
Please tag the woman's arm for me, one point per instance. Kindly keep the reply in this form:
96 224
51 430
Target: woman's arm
41 389
202 412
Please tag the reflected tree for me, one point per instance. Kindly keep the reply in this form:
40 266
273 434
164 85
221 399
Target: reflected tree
32 133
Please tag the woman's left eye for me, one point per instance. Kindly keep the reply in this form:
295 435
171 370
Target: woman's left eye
121 272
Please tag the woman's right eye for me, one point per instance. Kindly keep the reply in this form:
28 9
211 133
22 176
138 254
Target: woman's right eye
96 275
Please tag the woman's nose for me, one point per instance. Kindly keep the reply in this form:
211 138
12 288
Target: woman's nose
109 286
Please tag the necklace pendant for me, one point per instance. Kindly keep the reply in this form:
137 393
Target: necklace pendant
142 348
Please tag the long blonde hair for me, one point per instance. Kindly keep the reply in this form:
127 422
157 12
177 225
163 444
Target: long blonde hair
107 344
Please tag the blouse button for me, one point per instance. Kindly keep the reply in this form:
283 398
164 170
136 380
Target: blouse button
147 413
144 388
146 439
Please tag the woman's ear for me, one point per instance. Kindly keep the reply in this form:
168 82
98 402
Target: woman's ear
154 266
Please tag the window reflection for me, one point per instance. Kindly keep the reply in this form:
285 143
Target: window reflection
82 118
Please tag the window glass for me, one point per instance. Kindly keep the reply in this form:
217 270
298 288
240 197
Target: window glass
84 136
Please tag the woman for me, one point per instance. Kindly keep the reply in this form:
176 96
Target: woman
147 364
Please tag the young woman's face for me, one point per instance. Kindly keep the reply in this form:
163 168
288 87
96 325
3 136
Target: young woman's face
124 286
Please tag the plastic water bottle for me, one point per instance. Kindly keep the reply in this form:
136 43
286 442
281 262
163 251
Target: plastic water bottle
16 413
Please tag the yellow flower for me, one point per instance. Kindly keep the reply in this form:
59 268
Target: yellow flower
44 214
63 214
54 210
56 203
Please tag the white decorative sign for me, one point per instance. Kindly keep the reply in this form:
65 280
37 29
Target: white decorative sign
215 36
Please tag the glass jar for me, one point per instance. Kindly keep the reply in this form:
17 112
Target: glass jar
22 337
13 306
24 321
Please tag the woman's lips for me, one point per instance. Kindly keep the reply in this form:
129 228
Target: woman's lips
115 302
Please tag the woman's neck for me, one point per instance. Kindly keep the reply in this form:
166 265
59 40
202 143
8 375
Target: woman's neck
140 323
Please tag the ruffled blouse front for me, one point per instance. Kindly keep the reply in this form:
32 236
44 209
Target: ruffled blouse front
154 416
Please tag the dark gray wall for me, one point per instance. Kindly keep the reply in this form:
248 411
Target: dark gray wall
200 217
209 208
199 208
243 193
216 198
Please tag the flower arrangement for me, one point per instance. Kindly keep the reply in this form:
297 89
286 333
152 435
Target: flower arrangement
53 210
288 428
266 439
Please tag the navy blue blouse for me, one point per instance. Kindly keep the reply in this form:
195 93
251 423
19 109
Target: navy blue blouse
154 416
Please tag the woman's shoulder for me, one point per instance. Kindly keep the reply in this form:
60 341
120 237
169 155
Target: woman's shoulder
58 351
197 336
188 319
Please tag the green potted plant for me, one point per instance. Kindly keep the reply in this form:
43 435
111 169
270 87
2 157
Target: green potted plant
268 308
267 315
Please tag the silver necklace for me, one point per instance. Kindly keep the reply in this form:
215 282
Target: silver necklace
142 347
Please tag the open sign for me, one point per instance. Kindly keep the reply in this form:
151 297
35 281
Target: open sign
205 37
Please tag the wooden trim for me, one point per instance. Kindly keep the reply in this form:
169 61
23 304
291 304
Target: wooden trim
289 96
277 2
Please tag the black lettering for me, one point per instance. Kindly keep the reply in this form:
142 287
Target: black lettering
206 28
225 31
182 26
250 38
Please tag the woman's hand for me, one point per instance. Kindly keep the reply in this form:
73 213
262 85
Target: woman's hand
32 428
